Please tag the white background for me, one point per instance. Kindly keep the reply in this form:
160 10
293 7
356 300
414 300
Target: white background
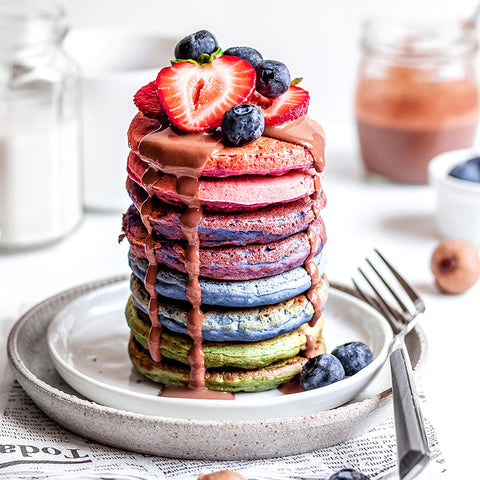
318 40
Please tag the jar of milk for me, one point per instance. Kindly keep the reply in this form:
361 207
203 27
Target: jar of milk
40 181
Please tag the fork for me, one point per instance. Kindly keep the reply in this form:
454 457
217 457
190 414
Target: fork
412 445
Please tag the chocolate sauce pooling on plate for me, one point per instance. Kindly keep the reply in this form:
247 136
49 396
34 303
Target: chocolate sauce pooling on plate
292 386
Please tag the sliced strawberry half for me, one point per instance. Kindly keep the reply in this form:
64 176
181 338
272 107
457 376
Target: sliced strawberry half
146 100
195 97
288 106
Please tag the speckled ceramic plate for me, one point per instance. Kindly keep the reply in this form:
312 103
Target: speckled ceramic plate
177 437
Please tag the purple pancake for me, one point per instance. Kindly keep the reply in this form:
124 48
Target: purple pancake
265 225
231 262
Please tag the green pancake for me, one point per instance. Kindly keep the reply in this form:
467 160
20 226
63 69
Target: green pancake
245 355
168 372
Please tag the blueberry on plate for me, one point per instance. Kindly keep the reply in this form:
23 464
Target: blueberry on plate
321 370
252 56
348 474
469 170
353 356
195 44
242 124
273 78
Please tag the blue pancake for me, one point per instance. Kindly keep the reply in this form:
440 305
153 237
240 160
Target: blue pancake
239 293
233 324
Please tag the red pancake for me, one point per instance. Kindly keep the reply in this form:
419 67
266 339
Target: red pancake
264 156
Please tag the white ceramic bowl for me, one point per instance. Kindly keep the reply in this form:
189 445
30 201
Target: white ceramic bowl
458 201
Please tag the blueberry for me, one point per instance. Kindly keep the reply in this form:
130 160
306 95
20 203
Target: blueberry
320 371
469 170
348 474
195 44
252 56
353 356
273 78
242 124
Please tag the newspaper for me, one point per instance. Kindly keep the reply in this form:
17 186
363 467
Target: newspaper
32 446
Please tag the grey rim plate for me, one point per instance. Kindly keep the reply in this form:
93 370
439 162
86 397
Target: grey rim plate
181 438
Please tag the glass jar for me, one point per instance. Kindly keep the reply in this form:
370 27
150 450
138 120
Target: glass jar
40 182
416 96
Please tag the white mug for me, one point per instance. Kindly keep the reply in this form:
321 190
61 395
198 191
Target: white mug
114 63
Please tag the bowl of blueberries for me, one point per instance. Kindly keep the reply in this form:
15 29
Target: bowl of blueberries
455 175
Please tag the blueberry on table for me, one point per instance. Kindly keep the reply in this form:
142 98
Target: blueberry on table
353 356
195 44
348 474
252 56
242 124
273 78
321 370
469 170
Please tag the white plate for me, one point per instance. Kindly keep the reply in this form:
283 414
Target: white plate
88 339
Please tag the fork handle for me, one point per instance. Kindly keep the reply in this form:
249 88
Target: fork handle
412 443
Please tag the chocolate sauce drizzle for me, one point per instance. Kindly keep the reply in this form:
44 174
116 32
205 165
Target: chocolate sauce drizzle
187 188
148 180
310 347
303 131
310 265
184 156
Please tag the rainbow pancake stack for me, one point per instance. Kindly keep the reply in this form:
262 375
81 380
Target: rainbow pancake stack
225 232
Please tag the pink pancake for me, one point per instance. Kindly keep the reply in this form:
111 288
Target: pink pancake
264 156
239 193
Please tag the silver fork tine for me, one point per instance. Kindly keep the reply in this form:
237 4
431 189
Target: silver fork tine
377 305
360 292
390 289
370 300
392 313
418 302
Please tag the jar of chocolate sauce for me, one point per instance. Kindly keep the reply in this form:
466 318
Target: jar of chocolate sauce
40 182
417 95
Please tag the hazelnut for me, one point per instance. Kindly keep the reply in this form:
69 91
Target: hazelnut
455 265
221 475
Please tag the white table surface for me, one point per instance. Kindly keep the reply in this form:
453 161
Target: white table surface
360 215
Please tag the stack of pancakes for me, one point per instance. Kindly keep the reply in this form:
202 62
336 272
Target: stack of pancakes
260 224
